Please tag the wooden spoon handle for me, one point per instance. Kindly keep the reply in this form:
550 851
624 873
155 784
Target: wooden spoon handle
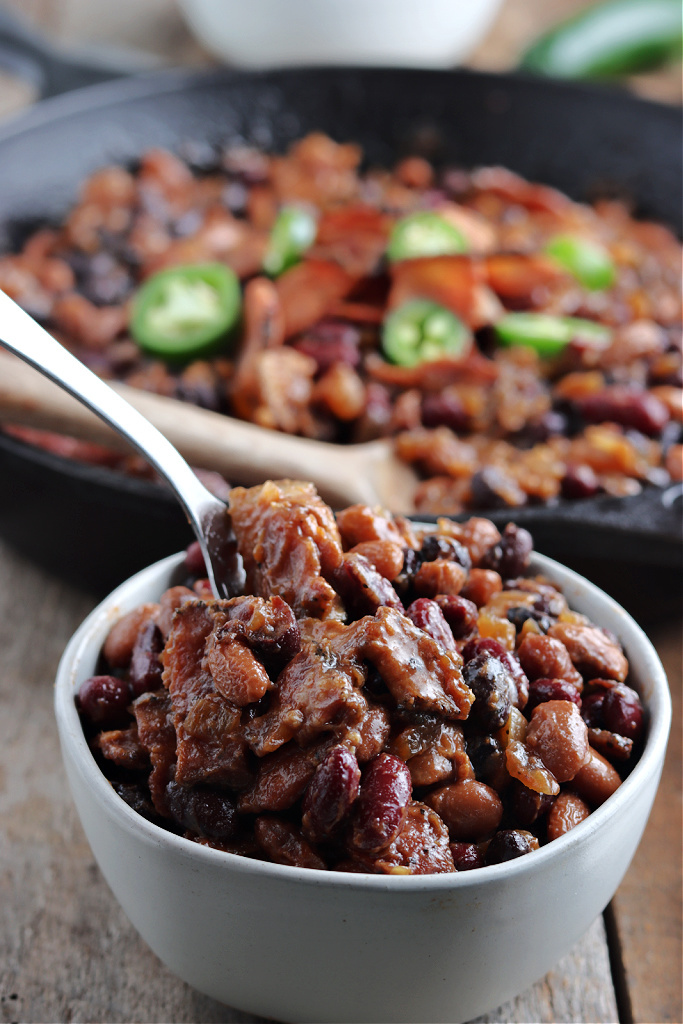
240 451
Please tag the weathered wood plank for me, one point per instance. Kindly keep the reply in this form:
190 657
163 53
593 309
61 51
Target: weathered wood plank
647 907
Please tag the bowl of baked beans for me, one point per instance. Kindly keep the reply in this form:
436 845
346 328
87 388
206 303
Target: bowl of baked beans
395 776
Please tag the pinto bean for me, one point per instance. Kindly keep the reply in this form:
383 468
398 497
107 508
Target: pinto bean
558 735
593 653
439 577
471 809
428 616
546 657
118 647
481 585
386 556
567 811
596 780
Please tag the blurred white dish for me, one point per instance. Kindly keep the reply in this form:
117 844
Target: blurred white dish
279 33
299 944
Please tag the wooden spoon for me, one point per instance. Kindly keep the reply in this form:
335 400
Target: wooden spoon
343 474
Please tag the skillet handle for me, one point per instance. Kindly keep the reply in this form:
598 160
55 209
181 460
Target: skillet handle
27 54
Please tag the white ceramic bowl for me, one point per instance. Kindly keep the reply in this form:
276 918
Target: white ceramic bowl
280 33
304 945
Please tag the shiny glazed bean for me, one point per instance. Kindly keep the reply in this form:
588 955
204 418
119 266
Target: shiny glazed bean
331 793
567 811
118 647
380 808
104 700
596 780
471 809
558 735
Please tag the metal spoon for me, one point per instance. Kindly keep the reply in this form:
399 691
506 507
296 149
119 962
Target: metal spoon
207 514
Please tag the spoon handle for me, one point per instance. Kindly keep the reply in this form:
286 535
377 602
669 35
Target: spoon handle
20 333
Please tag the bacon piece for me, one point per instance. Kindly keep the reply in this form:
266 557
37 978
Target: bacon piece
123 747
417 670
290 545
154 717
451 281
318 690
309 291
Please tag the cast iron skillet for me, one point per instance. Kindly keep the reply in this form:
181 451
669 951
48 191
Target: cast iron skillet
94 527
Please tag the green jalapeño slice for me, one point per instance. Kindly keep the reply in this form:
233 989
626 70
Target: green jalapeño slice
589 262
424 234
421 331
292 234
548 335
186 312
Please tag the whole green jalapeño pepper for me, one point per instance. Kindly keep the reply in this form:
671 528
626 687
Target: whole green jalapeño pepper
589 262
186 312
421 331
616 37
424 234
292 234
548 335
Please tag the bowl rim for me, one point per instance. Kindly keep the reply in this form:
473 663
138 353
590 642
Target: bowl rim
71 735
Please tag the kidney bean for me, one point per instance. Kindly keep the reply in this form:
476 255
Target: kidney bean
622 712
591 709
118 647
546 657
542 690
638 410
444 410
145 666
579 481
510 556
380 807
438 546
439 577
208 812
528 769
558 735
470 809
593 653
386 556
597 780
508 844
466 856
104 700
428 616
459 613
481 585
330 342
527 805
568 811
332 791
492 686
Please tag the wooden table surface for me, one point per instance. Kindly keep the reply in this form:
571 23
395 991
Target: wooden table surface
67 953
